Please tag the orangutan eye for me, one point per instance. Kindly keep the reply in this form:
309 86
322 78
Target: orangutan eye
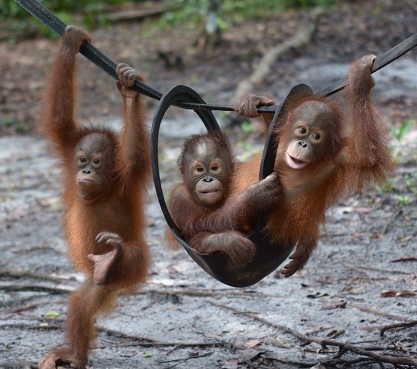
215 168
302 130
82 159
200 169
96 161
316 136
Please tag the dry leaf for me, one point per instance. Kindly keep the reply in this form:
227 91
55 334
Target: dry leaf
335 333
392 293
406 239
248 354
335 305
231 364
253 343
405 258
406 293
277 343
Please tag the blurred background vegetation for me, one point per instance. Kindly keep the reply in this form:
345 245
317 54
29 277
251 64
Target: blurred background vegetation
217 15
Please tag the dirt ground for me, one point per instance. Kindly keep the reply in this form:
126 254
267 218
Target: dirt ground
361 279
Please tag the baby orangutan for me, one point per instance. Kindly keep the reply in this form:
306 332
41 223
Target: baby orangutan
105 179
207 165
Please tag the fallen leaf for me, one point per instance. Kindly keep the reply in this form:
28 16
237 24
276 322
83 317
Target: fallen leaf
253 343
52 314
335 305
406 239
388 293
335 333
405 258
249 354
277 343
392 293
53 202
406 293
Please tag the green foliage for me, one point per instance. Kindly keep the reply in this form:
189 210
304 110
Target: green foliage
11 15
232 11
9 8
403 129
52 314
306 3
18 20
387 187
248 149
247 126
191 12
402 199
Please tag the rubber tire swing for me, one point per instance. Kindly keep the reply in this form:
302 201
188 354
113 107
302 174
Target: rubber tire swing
268 255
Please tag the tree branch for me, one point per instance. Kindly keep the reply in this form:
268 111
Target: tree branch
344 347
305 34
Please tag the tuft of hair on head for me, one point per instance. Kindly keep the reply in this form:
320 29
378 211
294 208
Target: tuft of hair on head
191 142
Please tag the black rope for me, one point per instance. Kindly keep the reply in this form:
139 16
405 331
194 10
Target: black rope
44 15
379 63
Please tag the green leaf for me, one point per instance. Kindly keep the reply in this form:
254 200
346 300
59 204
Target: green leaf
247 127
53 314
403 129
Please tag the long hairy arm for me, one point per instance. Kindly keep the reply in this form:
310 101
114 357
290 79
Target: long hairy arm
58 122
369 140
134 146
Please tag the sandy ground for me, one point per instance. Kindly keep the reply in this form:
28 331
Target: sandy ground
185 319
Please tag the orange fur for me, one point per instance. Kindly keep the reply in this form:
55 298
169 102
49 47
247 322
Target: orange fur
117 209
198 222
351 152
356 157
187 208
